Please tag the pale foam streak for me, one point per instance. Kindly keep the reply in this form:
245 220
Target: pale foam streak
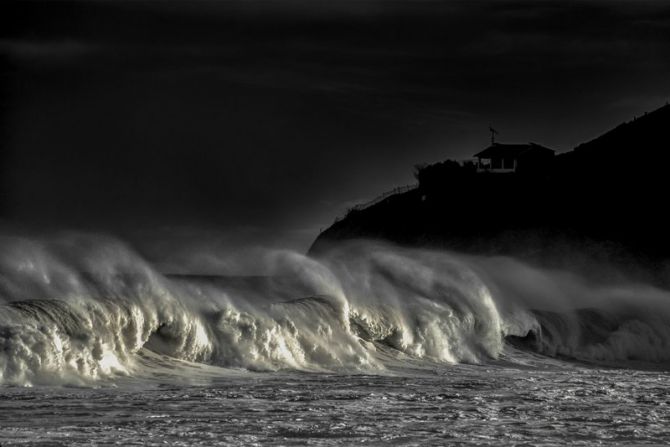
81 309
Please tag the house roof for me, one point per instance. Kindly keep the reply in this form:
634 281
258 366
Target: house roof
499 150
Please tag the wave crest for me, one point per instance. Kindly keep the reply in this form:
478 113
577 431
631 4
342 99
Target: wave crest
77 311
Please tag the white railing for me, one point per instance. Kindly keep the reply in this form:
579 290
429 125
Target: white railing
376 200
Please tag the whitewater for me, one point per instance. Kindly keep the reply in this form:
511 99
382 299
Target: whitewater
369 343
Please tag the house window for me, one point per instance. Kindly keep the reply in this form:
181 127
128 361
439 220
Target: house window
508 163
496 163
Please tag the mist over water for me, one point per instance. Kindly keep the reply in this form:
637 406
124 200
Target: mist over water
81 309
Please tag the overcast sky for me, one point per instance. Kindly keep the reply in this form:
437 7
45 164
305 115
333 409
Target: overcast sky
268 119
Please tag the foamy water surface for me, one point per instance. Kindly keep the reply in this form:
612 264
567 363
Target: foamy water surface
492 405
369 344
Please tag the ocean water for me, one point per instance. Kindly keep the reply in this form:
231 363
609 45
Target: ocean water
371 344
494 405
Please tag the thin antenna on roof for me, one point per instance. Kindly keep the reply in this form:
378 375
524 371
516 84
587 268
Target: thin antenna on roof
493 135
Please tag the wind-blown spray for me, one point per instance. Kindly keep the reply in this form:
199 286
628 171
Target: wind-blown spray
80 309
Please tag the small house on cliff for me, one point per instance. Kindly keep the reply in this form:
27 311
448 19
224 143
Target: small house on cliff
505 158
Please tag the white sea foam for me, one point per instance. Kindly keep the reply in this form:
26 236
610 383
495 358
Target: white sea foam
79 309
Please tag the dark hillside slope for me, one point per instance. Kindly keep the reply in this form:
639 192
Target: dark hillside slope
607 200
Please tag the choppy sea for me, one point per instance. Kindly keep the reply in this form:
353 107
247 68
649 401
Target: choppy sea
371 344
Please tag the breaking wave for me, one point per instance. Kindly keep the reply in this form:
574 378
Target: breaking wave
80 309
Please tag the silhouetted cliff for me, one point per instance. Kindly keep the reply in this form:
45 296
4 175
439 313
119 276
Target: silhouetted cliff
606 199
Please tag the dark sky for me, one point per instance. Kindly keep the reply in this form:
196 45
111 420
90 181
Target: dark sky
267 119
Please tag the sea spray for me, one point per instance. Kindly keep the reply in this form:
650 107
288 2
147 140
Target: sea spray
572 316
78 309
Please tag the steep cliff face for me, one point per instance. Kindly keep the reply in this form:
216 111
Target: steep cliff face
606 199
